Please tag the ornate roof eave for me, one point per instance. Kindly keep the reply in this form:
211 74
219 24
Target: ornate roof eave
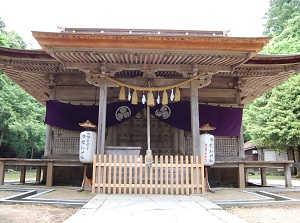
31 69
50 40
9 53
264 72
272 59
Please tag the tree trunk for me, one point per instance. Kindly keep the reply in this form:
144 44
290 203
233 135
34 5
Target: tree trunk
291 157
296 155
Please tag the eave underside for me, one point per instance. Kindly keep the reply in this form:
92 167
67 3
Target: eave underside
229 72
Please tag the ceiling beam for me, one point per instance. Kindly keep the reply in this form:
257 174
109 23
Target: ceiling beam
153 67
202 81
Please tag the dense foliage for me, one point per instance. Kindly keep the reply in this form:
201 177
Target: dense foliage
273 120
288 41
22 132
10 38
279 14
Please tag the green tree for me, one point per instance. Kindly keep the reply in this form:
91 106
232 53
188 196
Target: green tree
22 131
3 40
278 14
273 120
10 39
15 40
288 41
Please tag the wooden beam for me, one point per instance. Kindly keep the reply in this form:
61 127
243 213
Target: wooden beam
155 82
102 116
154 67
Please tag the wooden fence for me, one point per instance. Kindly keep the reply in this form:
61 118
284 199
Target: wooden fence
122 174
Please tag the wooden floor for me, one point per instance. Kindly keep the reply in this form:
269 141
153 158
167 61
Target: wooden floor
158 175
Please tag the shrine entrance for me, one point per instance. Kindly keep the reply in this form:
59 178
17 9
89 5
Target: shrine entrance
134 133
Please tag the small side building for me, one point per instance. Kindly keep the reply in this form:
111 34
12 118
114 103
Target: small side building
254 153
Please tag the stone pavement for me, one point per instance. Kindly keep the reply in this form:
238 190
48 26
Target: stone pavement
151 208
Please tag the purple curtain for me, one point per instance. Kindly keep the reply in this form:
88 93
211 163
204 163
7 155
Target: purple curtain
69 116
226 120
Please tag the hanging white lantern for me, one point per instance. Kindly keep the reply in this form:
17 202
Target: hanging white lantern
87 146
207 145
207 148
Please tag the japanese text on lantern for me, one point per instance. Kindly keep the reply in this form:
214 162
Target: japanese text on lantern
85 142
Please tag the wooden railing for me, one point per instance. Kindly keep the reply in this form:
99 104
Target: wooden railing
122 174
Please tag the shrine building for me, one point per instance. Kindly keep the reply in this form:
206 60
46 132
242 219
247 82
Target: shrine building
148 92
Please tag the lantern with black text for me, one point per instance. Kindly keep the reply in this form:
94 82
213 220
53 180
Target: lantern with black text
207 145
87 144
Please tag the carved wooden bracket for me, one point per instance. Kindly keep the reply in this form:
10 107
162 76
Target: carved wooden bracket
204 81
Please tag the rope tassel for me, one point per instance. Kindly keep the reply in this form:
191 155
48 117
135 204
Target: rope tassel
164 98
134 99
177 95
150 99
122 94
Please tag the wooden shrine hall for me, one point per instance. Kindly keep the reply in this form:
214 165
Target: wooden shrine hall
148 92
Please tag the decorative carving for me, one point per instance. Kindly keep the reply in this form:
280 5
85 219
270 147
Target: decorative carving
149 74
51 81
204 81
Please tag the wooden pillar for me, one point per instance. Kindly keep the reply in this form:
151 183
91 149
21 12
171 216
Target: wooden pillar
181 142
2 172
44 175
38 174
102 115
263 176
175 141
49 180
241 143
246 175
241 175
195 119
23 174
49 129
115 141
287 175
48 148
260 154
109 138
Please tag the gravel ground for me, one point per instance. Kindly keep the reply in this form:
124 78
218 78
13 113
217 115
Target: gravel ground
13 213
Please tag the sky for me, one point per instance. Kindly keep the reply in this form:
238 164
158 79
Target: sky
244 18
